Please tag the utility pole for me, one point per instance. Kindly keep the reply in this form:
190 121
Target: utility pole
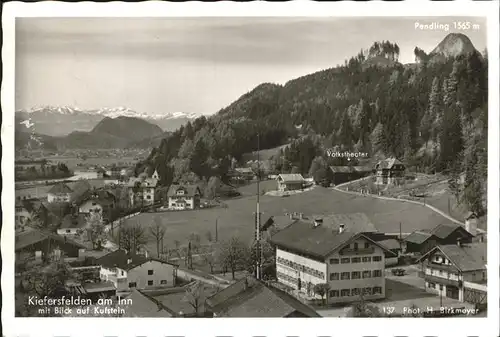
400 237
257 214
216 230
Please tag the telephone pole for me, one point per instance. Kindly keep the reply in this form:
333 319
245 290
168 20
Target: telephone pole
257 215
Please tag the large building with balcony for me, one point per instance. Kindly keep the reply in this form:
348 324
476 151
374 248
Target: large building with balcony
142 190
182 197
339 253
133 271
457 271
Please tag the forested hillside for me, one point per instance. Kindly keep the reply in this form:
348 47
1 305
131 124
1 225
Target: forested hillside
432 115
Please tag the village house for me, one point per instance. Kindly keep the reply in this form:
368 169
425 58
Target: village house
98 201
457 271
290 182
420 242
142 190
343 174
242 175
33 245
339 252
182 197
248 297
25 209
73 224
133 271
390 172
59 193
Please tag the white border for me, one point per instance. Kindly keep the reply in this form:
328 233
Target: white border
247 327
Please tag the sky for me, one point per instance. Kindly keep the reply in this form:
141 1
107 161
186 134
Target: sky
194 65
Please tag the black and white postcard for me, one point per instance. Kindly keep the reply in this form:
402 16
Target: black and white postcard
249 161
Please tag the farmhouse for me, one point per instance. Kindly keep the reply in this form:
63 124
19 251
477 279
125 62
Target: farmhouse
182 197
422 241
457 271
248 298
59 193
133 271
32 244
310 253
73 224
142 190
99 201
290 182
390 172
343 174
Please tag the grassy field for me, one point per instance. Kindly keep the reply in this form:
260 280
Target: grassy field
263 154
238 219
72 162
435 188
41 191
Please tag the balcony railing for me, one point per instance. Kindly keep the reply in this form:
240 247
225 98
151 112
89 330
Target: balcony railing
440 266
442 280
359 251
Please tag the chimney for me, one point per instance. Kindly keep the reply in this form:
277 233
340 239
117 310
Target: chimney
471 225
301 216
291 216
341 228
318 222
129 261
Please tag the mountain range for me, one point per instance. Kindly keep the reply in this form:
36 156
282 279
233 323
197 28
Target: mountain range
62 120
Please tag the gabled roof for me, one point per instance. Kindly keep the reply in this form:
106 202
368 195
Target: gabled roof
120 259
388 163
418 237
74 221
147 182
341 169
391 244
244 170
354 222
442 231
145 306
189 190
31 236
252 298
468 257
319 241
60 188
291 178
102 197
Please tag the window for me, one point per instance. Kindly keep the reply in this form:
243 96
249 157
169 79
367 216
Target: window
150 272
150 283
367 245
355 246
377 273
367 274
377 290
356 291
356 260
163 282
122 273
345 260
334 293
334 261
367 291
367 259
355 275
68 230
334 276
148 197
132 285
93 204
377 258
432 285
345 276
345 292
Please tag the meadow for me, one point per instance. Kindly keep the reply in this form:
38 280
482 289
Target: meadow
238 218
